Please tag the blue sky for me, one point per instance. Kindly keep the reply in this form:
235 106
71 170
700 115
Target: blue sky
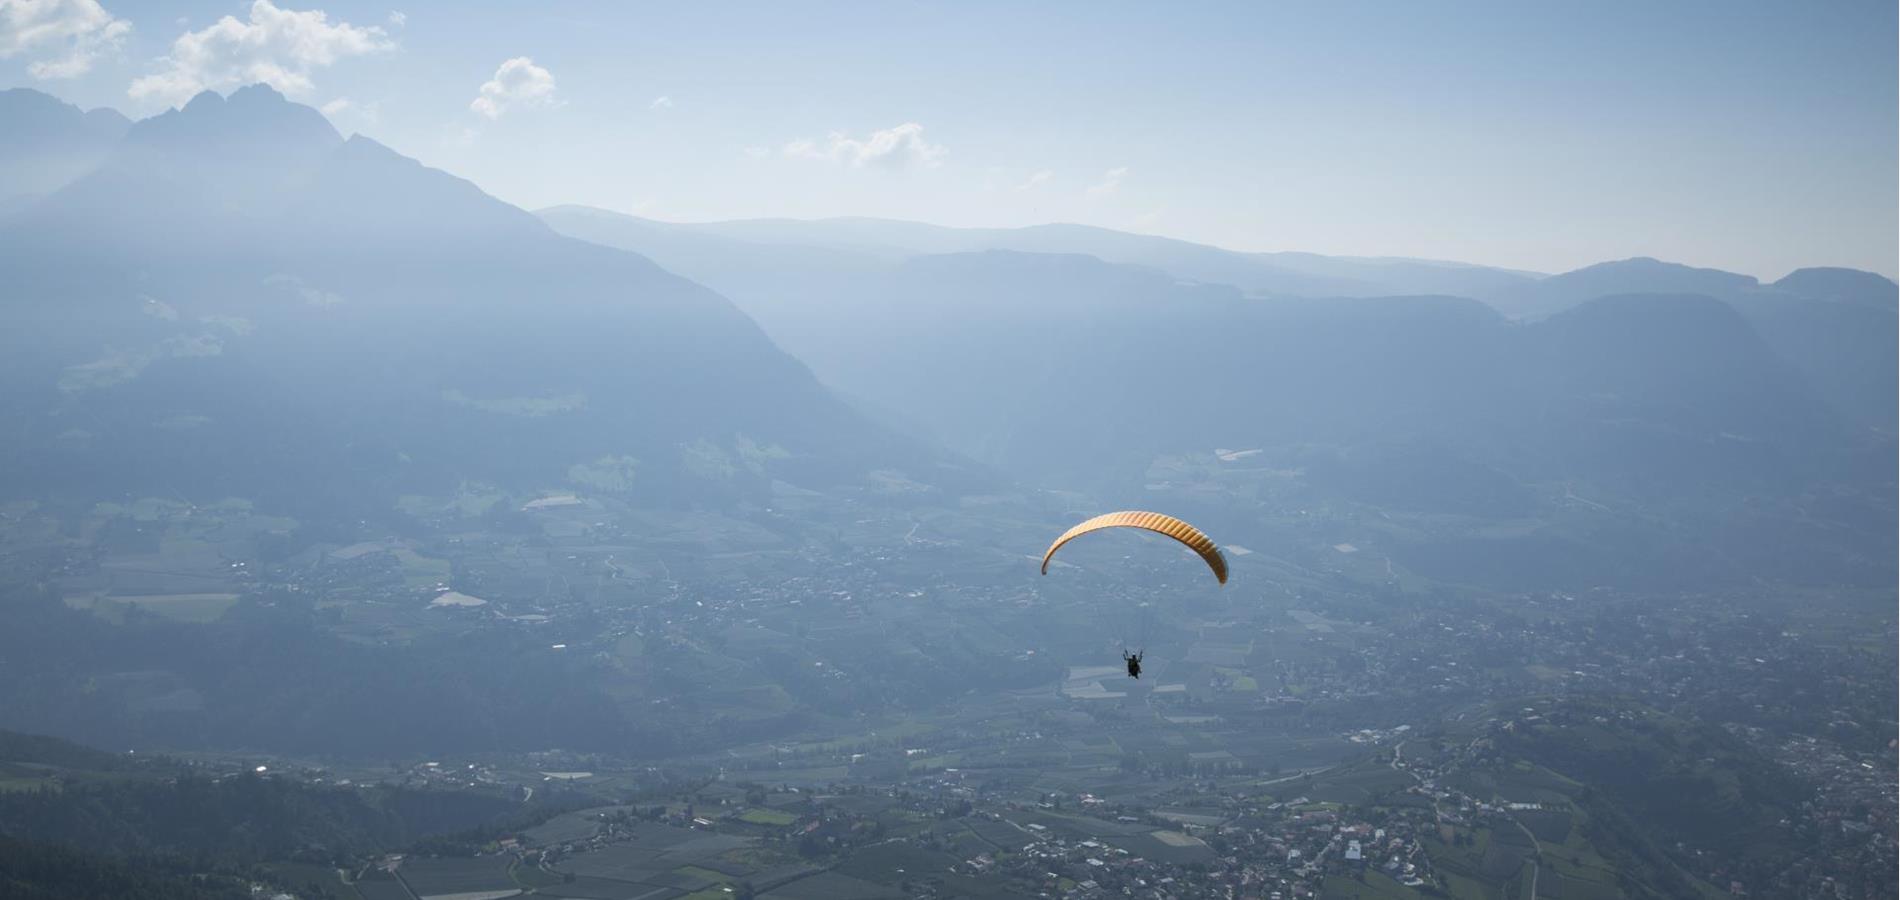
1751 137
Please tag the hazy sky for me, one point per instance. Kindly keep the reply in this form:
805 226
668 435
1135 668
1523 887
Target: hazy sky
1751 137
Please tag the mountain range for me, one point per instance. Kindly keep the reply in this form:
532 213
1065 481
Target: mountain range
1077 358
1834 325
237 301
232 299
48 144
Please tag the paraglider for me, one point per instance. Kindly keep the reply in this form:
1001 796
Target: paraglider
1189 536
1168 526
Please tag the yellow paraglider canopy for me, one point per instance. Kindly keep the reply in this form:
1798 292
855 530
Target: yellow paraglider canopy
1170 526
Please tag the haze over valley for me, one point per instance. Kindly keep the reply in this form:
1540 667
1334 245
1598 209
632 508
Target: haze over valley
363 535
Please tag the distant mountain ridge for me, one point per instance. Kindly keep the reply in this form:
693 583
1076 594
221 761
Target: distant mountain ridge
1267 274
48 144
1081 373
248 173
1283 273
1834 325
1846 285
313 304
235 292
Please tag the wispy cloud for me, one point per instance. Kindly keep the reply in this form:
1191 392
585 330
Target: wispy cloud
359 114
1036 180
891 148
661 102
1111 181
518 83
279 47
74 31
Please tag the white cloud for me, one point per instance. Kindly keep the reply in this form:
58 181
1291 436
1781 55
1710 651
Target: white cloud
279 47
892 148
357 115
1036 180
397 19
758 152
77 30
1111 181
519 82
661 102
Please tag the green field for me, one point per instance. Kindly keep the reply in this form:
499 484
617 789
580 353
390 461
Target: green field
422 572
1358 784
759 816
1376 886
531 877
299 877
456 875
181 607
595 889
378 885
832 886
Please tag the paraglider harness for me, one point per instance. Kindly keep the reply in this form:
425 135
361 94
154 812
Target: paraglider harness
1134 663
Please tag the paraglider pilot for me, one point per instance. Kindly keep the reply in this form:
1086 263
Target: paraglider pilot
1134 663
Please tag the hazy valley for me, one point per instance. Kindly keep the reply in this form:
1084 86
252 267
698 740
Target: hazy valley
347 511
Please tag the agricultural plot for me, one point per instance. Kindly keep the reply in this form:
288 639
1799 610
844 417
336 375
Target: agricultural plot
662 856
832 886
619 863
473 875
965 844
1554 884
814 776
1199 817
606 889
772 817
979 888
1572 869
573 826
688 878
1163 846
891 863
421 572
383 888
179 566
1502 860
18 776
1358 785
1550 826
530 876
1219 654
306 878
1376 886
997 834
161 568
1086 826
701 847
1484 868
196 608
1465 887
